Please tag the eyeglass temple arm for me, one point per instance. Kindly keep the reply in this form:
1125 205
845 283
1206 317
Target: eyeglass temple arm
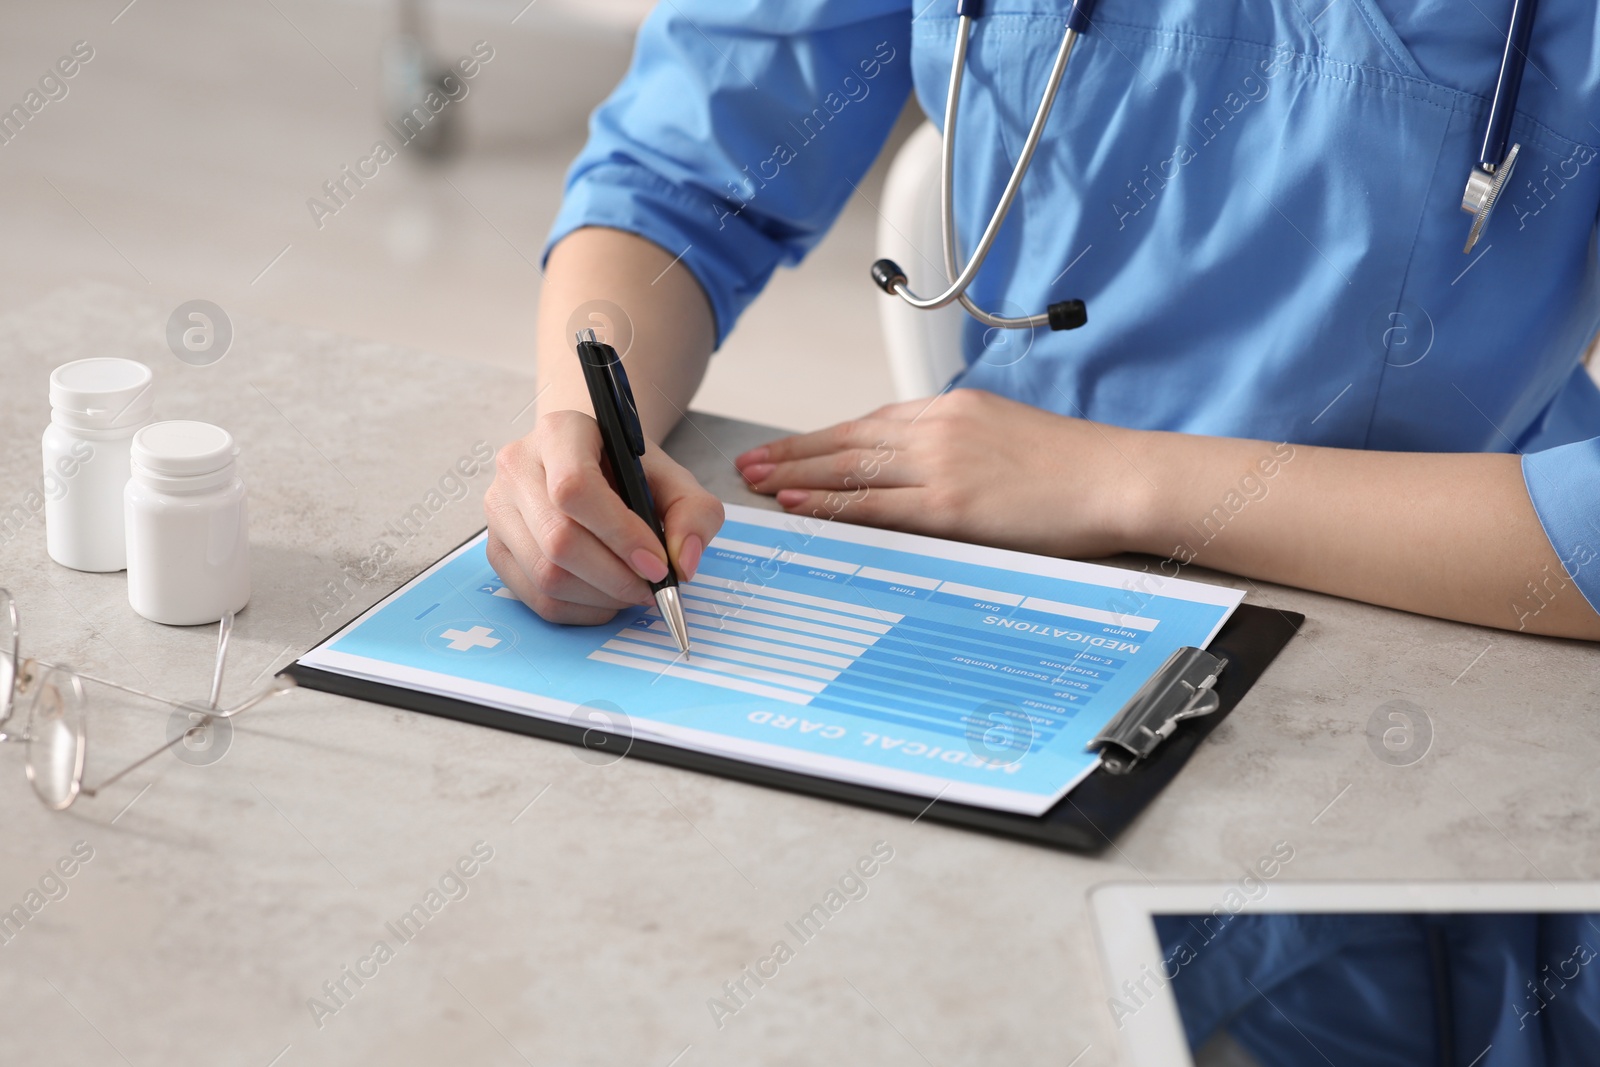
224 630
9 708
281 684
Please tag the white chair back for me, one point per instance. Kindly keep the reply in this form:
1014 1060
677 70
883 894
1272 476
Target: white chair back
924 347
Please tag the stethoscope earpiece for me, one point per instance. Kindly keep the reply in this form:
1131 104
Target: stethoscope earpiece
886 274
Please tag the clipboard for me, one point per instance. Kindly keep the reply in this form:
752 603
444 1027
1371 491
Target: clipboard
1086 820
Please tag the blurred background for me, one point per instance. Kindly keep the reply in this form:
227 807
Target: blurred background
182 156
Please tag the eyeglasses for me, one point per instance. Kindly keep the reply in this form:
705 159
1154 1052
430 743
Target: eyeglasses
55 734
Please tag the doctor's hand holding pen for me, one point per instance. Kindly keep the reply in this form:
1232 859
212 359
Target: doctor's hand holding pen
1452 535
563 540
560 536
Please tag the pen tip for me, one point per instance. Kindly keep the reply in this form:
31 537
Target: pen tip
672 613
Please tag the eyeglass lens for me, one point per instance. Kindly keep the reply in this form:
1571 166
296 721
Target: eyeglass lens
56 740
9 639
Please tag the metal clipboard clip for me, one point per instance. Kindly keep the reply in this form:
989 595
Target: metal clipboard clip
1181 689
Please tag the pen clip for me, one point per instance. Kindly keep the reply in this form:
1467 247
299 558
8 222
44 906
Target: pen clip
622 393
599 356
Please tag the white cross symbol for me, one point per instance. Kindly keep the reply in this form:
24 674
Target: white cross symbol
477 637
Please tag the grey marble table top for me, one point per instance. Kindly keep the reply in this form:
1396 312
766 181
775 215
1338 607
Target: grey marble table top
607 906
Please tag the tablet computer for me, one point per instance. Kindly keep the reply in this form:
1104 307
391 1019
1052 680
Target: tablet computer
1259 971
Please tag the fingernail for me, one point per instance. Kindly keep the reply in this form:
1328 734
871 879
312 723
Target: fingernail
758 472
755 455
689 555
648 566
790 498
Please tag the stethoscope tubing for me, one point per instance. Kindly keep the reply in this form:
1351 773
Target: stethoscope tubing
960 280
1503 106
947 164
1482 189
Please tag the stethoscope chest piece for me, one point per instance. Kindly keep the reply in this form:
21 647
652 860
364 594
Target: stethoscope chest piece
1495 161
1483 193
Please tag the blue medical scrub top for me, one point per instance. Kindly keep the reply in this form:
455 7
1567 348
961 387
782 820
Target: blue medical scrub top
1259 201
1489 990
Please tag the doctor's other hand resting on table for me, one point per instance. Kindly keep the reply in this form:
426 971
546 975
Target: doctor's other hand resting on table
1251 229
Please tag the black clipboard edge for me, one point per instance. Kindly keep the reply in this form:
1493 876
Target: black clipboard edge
1086 820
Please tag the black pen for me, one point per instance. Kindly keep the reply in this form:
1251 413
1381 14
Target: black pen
623 438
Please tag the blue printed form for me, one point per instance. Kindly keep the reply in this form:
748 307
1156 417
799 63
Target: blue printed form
940 669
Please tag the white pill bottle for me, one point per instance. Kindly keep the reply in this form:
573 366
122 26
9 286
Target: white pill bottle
188 539
96 406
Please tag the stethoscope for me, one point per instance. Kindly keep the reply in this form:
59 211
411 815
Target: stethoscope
1494 161
1484 184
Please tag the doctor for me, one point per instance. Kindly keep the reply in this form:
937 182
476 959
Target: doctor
1290 370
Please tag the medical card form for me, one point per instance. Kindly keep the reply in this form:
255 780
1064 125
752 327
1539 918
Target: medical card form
930 667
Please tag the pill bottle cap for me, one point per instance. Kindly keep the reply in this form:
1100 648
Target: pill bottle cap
102 393
183 449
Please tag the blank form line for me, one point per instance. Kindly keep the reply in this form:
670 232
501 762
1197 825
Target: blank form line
834 633
672 670
784 607
658 633
664 645
726 623
706 662
757 589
